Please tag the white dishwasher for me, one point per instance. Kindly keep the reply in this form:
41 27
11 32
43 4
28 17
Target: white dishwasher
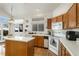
46 41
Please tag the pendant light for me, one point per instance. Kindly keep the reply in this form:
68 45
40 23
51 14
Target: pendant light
11 15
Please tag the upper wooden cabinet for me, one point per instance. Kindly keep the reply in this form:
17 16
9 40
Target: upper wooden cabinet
72 17
77 14
49 21
54 19
65 21
59 19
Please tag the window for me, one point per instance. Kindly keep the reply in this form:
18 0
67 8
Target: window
38 24
3 26
21 27
38 27
41 27
18 27
34 27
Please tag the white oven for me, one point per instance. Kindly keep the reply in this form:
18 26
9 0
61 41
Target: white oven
54 44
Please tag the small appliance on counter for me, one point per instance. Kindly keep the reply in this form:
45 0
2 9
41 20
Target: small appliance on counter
72 35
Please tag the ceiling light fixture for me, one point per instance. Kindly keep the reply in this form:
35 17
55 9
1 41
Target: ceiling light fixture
11 14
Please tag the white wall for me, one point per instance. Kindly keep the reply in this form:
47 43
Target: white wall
63 8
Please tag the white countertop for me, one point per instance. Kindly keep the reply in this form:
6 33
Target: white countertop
71 46
18 38
39 34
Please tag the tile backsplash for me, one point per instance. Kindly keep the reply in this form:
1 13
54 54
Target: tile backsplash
62 33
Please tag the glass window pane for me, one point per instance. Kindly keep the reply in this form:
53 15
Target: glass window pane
34 27
41 27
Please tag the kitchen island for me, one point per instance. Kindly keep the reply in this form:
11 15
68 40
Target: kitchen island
19 46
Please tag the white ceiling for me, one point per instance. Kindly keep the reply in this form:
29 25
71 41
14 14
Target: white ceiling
21 10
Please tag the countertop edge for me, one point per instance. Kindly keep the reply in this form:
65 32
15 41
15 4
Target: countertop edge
66 47
25 40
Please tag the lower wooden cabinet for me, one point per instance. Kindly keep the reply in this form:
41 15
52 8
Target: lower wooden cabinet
17 48
63 51
50 53
39 41
67 53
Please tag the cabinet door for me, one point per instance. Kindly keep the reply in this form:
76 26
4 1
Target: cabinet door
72 17
53 21
63 51
39 41
67 53
30 48
59 19
9 51
77 14
49 21
15 48
65 21
36 41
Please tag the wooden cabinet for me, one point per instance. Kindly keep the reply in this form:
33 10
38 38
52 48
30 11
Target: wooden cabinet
59 18
77 14
54 20
67 53
72 17
63 51
18 48
50 53
39 41
69 19
36 41
65 21
49 21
